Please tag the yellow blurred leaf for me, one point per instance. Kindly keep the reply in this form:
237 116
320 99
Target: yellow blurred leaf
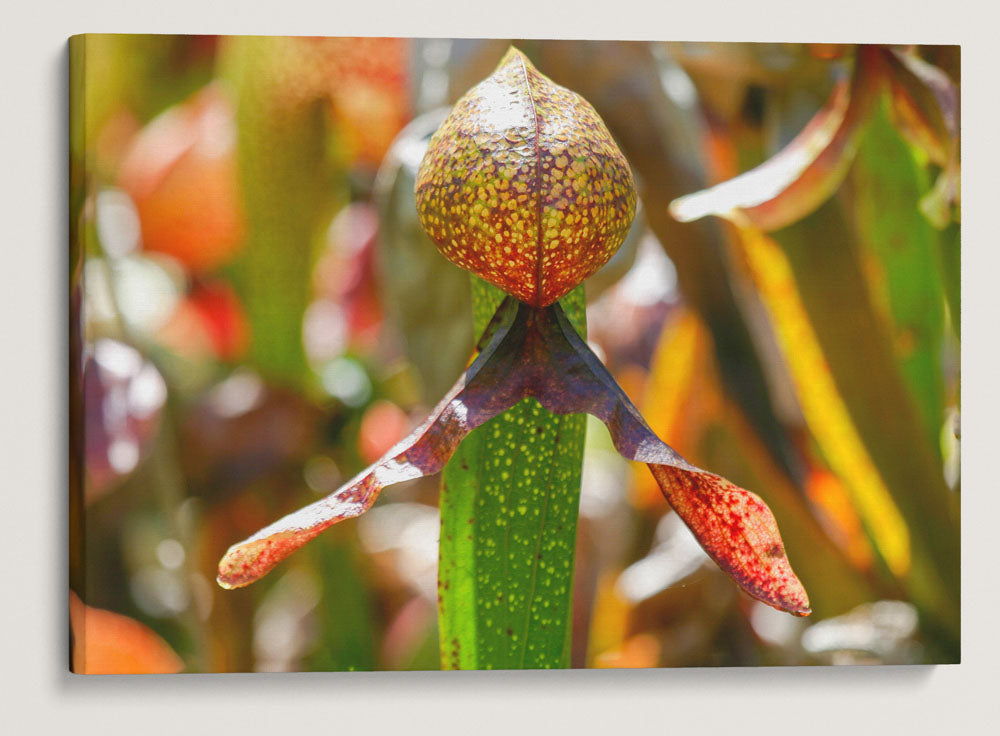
675 367
642 650
822 406
609 621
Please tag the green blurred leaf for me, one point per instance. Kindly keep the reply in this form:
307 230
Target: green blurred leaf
885 185
346 621
290 189
434 323
143 73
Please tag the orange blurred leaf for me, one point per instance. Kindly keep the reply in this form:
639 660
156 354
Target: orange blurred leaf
369 89
674 387
837 514
642 650
382 426
107 643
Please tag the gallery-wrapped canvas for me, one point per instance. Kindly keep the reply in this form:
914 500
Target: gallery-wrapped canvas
652 347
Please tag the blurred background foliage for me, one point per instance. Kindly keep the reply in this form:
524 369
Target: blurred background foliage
257 315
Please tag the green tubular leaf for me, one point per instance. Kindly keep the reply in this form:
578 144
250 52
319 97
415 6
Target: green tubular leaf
509 503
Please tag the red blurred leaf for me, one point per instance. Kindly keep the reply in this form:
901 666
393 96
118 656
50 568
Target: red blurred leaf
107 643
220 309
532 352
243 430
346 272
210 321
827 51
802 175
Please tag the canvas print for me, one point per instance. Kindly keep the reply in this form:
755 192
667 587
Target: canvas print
416 354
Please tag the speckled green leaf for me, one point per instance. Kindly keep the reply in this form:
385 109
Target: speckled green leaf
509 502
